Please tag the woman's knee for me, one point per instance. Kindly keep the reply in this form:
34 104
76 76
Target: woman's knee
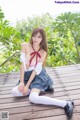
33 97
15 91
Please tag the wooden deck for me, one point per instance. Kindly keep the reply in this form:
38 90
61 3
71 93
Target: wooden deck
66 86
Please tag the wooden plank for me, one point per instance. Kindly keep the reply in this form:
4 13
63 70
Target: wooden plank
26 102
42 114
37 114
69 83
56 94
61 83
33 107
63 117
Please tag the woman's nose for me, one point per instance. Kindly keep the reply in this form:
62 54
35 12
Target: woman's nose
35 37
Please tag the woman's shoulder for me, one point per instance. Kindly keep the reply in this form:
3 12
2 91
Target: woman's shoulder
25 46
43 52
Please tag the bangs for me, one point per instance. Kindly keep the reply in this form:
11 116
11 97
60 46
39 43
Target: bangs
36 31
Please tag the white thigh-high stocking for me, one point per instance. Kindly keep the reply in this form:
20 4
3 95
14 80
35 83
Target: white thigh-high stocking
16 92
35 98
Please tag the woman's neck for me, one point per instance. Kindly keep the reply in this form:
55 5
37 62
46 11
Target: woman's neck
36 47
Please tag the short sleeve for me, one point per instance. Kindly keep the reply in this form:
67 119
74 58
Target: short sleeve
22 57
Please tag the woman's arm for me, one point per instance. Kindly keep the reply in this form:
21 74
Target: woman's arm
23 66
22 59
22 73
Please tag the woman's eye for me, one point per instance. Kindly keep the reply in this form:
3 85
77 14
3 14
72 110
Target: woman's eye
34 35
39 36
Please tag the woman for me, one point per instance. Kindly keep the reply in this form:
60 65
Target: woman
33 77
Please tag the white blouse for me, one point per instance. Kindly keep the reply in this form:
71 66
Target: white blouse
38 67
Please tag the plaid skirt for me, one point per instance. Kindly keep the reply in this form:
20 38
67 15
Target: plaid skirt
41 81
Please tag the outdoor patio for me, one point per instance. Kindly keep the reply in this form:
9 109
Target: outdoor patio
66 86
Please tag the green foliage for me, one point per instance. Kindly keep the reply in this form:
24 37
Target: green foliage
63 35
1 14
66 40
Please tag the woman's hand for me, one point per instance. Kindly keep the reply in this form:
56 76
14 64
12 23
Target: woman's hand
25 91
21 87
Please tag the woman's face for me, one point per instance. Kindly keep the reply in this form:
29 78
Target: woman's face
37 38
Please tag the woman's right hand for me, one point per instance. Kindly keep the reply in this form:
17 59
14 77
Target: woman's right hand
21 87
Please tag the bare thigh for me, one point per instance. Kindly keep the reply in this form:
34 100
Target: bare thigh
36 90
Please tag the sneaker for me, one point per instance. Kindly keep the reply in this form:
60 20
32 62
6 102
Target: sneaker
69 109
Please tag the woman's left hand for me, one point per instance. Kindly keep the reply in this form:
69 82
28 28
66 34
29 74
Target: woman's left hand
25 91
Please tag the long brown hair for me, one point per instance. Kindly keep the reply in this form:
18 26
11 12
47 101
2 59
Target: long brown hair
43 43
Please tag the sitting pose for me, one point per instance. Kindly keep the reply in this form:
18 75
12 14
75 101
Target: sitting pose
33 76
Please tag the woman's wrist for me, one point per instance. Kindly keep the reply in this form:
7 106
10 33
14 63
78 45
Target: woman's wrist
27 85
21 83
